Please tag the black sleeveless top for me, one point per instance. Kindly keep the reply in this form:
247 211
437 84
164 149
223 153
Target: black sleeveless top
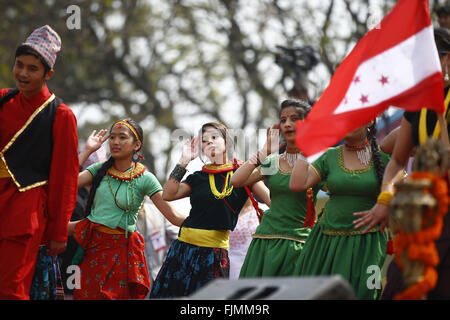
413 118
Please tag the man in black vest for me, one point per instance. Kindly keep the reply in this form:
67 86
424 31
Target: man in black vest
38 165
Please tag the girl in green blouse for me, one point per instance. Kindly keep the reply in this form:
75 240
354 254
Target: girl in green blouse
353 173
283 230
113 265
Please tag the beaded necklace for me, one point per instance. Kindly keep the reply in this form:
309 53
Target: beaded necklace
423 132
292 157
228 187
120 175
362 152
118 204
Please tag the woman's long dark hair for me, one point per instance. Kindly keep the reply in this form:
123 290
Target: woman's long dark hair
108 164
301 106
378 164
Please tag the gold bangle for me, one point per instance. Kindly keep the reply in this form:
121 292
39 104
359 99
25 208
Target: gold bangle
387 183
385 198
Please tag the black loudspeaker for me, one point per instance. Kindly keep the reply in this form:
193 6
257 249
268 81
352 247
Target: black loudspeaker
280 288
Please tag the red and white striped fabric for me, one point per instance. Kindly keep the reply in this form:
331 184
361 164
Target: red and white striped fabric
395 64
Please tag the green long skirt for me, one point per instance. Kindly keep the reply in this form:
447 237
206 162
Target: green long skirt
271 258
357 258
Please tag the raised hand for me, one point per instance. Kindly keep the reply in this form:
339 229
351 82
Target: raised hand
96 139
93 143
190 150
273 141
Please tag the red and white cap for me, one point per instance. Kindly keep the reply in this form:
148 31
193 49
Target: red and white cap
46 42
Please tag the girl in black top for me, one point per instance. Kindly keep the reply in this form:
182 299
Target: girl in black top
201 252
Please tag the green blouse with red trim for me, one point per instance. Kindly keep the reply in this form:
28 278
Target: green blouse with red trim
207 212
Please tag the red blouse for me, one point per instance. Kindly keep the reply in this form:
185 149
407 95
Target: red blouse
19 211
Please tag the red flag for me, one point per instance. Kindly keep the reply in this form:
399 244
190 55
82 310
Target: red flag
395 64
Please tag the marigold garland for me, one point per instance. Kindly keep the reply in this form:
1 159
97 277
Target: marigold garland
420 245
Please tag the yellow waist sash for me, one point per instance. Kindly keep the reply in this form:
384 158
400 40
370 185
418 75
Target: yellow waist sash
3 171
108 230
205 238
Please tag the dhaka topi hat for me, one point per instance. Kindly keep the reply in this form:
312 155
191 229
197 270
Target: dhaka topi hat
46 42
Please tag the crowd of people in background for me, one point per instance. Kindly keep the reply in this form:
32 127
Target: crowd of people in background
109 216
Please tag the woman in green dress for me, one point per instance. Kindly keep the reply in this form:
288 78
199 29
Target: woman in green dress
353 173
280 237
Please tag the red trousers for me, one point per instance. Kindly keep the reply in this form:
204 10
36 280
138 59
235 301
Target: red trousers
17 262
22 225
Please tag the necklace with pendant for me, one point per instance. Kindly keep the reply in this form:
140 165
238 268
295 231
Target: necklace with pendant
214 169
363 152
292 157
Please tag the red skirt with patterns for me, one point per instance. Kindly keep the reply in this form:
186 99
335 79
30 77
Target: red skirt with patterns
113 267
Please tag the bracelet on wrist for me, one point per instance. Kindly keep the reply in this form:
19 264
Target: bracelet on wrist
385 198
387 183
177 173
